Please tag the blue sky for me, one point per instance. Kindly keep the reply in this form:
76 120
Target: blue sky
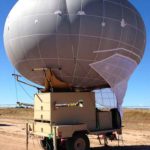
138 93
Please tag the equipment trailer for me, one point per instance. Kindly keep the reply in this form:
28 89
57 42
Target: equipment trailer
63 120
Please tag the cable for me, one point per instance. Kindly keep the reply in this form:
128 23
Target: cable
16 88
25 91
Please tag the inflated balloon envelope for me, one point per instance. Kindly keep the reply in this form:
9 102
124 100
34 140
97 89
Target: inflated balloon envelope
96 43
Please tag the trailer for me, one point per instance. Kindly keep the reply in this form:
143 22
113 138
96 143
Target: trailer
64 120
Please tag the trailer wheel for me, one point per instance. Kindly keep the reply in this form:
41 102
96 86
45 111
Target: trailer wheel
116 119
78 142
47 144
43 144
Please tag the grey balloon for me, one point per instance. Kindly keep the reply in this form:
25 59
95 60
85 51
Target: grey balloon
72 35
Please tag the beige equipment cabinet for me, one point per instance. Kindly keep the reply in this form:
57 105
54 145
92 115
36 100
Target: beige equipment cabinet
65 115
46 114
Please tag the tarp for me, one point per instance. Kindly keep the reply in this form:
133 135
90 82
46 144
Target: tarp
116 70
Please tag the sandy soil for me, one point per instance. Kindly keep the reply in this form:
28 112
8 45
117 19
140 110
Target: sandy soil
12 137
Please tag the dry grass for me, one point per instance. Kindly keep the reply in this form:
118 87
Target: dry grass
137 119
16 113
137 115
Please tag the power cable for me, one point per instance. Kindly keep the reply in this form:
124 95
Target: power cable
16 88
25 91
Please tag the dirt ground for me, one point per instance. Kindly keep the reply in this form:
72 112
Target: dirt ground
13 135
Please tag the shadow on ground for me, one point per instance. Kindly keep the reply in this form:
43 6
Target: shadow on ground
140 147
5 125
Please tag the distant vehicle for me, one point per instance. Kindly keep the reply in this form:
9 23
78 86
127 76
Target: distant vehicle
24 105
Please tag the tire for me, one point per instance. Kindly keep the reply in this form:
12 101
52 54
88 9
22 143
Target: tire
78 142
43 144
116 119
47 144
